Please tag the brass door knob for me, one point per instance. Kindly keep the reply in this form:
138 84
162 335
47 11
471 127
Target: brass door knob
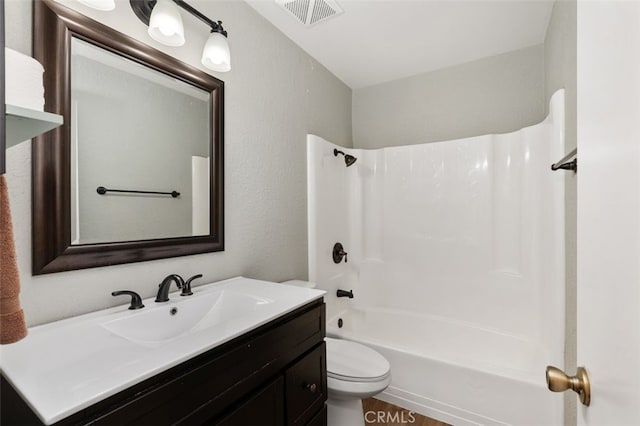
559 381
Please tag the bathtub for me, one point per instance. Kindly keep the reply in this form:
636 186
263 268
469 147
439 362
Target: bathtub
456 260
454 371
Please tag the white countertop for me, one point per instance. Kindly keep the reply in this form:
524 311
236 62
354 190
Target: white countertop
65 366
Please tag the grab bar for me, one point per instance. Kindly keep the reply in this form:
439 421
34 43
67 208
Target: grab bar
567 165
102 190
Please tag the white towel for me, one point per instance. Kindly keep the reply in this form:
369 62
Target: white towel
23 81
200 195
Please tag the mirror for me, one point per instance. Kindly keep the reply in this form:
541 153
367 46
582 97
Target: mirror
159 144
136 172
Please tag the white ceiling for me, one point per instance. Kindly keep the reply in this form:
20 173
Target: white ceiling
375 41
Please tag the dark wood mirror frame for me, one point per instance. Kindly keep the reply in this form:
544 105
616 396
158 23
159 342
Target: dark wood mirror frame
54 26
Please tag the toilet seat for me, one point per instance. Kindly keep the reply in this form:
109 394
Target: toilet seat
357 379
352 362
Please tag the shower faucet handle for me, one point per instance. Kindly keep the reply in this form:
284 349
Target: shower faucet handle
339 253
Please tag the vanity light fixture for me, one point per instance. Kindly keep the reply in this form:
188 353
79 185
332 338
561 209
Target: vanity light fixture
165 26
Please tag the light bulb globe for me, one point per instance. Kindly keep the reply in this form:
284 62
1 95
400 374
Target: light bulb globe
216 54
165 24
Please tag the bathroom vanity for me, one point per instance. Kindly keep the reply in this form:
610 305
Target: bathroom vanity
270 373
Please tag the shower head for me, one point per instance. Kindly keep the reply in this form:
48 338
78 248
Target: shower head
348 159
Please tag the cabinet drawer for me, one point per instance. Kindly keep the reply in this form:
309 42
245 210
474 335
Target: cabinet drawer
306 386
265 408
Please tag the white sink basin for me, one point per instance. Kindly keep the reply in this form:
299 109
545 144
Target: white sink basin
166 321
65 366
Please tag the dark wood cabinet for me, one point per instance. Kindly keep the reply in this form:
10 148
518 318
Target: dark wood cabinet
273 375
263 408
320 419
306 386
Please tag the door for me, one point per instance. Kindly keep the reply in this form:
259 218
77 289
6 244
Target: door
609 210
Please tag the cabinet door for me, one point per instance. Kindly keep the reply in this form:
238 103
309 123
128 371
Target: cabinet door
264 408
319 419
306 386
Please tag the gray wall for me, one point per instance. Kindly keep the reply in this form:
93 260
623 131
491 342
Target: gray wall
560 51
275 94
498 94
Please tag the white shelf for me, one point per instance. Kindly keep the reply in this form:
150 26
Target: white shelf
23 124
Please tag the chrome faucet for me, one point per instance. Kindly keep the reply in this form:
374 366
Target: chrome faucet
163 288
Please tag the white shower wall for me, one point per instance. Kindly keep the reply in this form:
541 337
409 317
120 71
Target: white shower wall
467 231
470 230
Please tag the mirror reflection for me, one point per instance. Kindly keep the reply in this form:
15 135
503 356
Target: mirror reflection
135 129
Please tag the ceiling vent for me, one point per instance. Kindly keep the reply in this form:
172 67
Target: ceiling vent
310 12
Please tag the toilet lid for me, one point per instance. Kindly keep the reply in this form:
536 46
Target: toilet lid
354 362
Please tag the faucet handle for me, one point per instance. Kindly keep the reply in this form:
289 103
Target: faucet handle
338 253
136 300
186 288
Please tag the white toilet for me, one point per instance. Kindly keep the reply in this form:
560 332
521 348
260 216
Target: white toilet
354 372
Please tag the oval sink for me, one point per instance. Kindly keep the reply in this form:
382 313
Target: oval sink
188 314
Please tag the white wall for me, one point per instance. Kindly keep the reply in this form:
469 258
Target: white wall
498 94
275 94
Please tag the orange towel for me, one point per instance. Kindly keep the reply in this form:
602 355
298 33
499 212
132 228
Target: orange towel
12 324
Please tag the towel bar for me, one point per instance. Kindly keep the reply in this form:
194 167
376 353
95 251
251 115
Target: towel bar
567 165
102 190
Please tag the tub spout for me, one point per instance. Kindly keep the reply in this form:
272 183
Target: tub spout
345 293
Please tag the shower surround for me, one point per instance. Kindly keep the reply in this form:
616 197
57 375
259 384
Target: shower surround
456 261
